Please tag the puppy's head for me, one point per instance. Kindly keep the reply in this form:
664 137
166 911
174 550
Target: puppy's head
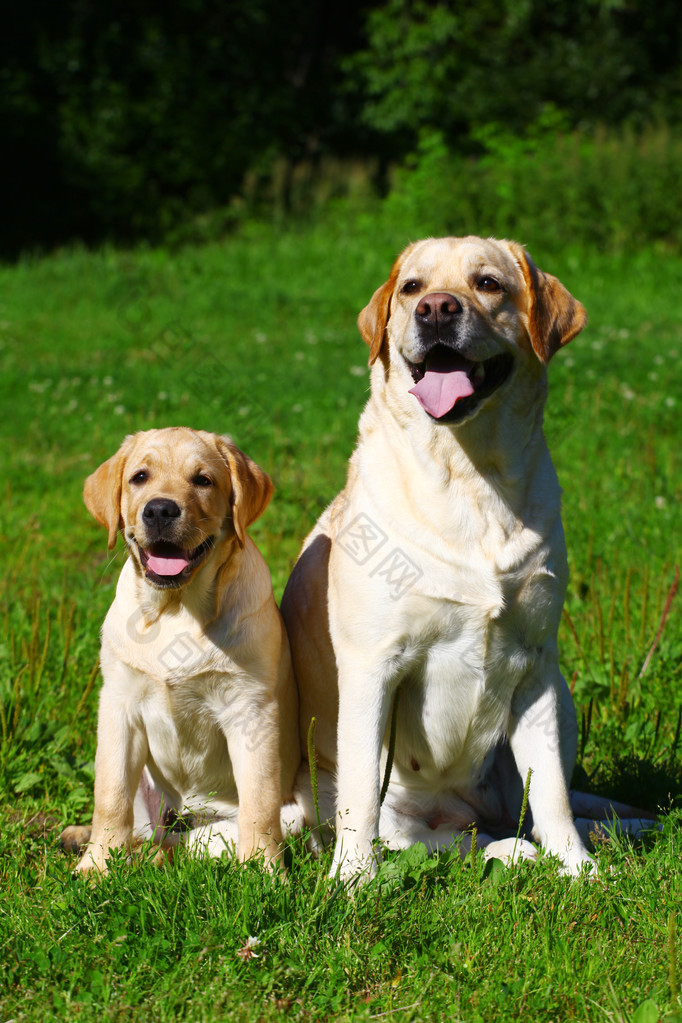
458 316
177 494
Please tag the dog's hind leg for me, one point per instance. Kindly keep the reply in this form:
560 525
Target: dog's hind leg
400 831
592 831
154 813
74 838
214 839
598 817
600 808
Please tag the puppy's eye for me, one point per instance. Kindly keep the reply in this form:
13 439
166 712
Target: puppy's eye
200 480
488 283
140 477
409 287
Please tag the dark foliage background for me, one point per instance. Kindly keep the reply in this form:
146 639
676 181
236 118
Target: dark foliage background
121 119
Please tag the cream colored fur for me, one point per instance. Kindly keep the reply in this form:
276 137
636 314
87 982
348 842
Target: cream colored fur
440 573
198 709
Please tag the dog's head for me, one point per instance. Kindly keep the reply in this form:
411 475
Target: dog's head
176 494
459 315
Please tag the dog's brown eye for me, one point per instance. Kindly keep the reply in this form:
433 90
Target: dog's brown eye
489 284
409 287
139 477
202 481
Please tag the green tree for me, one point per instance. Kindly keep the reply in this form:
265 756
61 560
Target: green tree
455 67
119 118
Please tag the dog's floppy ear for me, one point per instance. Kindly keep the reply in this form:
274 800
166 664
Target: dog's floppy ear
102 491
374 317
554 316
251 487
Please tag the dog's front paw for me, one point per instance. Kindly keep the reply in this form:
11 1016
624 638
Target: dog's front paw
510 851
89 867
93 862
578 863
353 864
74 838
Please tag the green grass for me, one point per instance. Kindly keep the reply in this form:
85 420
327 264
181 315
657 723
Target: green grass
257 337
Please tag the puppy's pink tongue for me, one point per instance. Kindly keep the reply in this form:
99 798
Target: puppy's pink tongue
166 566
442 385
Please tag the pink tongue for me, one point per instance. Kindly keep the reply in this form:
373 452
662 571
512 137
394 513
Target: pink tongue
166 566
441 387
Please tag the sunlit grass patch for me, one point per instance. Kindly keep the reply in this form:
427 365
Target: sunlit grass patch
257 338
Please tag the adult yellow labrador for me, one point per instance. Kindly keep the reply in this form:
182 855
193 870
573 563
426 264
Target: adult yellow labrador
198 711
435 581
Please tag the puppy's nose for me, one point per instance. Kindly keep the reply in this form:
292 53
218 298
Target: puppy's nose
438 309
158 512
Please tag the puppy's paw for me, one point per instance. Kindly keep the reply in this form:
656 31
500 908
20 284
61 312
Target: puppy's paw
162 856
315 843
510 850
74 838
91 865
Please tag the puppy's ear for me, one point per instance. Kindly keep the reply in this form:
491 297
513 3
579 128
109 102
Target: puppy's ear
554 316
102 492
251 487
374 317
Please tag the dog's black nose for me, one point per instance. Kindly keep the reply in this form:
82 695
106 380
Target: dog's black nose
159 511
438 309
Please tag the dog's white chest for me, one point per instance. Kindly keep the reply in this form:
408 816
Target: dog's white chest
456 695
188 752
185 721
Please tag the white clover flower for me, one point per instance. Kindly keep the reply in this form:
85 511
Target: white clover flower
248 949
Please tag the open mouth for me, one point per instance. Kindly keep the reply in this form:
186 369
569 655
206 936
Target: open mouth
169 565
450 387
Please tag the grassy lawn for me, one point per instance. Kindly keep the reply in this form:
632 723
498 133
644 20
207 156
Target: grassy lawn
256 337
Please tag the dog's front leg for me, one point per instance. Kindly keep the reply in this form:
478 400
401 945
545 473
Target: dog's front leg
122 752
364 706
535 738
252 733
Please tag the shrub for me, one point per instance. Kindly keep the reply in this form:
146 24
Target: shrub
548 188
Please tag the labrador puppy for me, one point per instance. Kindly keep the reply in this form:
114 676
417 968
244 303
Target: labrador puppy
433 585
198 710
